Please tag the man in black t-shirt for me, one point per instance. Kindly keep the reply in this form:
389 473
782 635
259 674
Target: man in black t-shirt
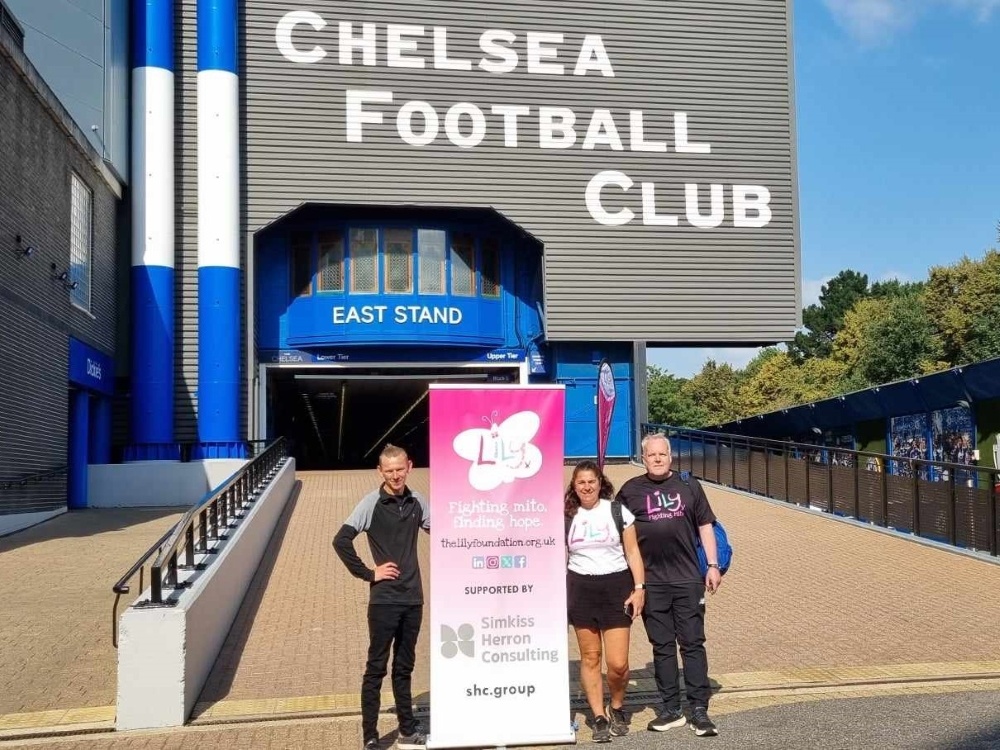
669 512
392 516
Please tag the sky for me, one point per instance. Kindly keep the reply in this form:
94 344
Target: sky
897 112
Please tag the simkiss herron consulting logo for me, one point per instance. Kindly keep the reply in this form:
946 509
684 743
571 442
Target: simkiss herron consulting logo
454 642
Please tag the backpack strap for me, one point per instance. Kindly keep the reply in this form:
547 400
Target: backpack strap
619 518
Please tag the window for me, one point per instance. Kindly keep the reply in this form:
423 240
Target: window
331 261
463 264
364 260
491 267
399 261
301 257
431 255
81 241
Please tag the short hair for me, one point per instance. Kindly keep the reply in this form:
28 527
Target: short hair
650 437
390 451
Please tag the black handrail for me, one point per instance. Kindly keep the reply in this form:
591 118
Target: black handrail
930 498
38 476
222 509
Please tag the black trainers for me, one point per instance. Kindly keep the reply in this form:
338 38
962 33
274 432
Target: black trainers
667 720
701 724
415 741
602 729
372 744
618 721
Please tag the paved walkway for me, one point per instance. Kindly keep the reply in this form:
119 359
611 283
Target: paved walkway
811 607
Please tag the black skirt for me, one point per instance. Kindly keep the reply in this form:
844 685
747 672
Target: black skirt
598 601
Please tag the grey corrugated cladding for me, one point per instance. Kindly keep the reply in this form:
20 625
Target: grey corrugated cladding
725 63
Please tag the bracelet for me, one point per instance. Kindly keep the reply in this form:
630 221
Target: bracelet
639 586
714 565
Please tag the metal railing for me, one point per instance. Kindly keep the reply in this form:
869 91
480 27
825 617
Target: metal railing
199 532
25 479
946 502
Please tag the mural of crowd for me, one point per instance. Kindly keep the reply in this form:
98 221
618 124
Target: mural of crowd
946 435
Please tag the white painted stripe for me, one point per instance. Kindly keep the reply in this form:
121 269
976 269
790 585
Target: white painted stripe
152 167
218 169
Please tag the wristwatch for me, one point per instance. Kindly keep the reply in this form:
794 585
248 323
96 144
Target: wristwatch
714 565
640 586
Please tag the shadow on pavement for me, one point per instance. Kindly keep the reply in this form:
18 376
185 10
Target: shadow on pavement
88 522
220 679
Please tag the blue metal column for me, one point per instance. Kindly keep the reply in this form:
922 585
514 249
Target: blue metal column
77 450
152 397
218 233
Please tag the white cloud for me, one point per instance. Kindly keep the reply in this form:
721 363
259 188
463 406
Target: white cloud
872 21
811 289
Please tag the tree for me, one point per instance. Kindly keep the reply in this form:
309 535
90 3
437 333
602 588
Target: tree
886 339
960 299
714 389
824 320
668 403
984 338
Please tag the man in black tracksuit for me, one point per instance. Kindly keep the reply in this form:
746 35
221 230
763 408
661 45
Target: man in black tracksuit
392 516
670 512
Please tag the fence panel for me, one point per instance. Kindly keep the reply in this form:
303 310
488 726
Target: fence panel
819 484
843 490
934 499
797 467
870 496
726 465
742 479
758 472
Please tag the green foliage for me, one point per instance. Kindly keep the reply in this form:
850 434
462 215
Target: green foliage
856 337
669 404
712 390
824 320
960 299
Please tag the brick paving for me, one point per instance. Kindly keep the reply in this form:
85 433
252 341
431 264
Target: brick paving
806 597
55 605
804 592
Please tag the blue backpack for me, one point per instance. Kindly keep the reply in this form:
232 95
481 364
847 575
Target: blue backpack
723 548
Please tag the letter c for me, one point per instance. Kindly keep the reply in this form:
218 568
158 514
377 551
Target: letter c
593 197
283 36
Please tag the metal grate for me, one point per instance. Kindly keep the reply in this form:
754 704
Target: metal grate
463 264
331 261
364 260
491 267
430 259
399 261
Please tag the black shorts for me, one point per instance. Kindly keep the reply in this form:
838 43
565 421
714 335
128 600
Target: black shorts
598 601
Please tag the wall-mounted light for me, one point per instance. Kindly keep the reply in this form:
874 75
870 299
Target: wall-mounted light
23 249
63 278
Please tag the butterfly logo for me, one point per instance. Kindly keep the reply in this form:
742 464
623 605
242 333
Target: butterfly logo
502 452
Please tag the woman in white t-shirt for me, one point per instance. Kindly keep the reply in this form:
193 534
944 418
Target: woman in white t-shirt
605 589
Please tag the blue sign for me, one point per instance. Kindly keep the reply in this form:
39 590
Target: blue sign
90 368
512 357
330 320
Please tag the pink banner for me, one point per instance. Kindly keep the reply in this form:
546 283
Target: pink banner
499 659
606 394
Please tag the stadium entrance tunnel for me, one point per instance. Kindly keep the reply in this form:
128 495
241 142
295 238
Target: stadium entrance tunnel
341 419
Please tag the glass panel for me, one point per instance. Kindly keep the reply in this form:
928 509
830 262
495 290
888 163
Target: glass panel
331 261
364 260
430 252
301 258
463 264
399 261
491 267
81 241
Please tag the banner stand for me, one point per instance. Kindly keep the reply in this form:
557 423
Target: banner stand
498 638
